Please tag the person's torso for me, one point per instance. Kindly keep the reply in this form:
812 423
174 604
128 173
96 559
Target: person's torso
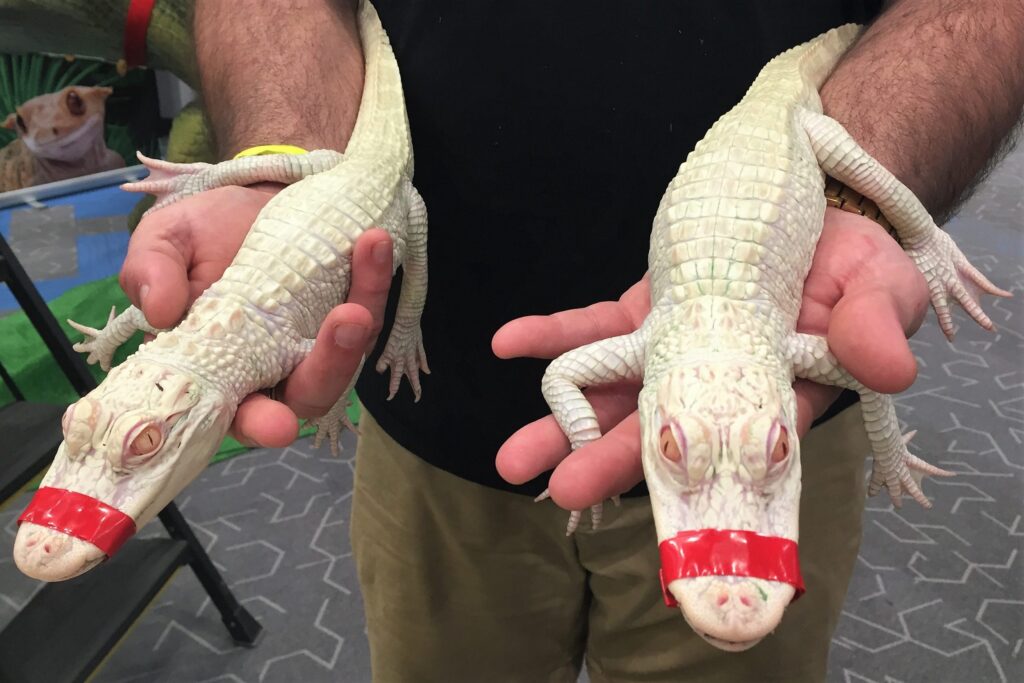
545 134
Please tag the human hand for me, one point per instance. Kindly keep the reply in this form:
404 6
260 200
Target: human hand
180 250
862 293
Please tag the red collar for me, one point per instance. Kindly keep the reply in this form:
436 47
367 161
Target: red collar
81 516
728 552
136 25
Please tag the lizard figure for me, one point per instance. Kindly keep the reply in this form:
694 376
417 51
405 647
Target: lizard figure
60 136
149 429
732 242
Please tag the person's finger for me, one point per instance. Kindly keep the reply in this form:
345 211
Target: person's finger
155 272
548 336
603 468
261 421
319 380
812 400
371 275
533 449
866 334
539 446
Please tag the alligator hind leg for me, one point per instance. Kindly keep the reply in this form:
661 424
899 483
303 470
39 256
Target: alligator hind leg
101 344
404 352
171 182
607 361
894 468
945 268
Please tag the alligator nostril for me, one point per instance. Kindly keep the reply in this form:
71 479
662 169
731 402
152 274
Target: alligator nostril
745 600
46 548
722 599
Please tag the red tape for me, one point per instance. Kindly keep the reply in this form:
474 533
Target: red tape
728 552
81 516
136 26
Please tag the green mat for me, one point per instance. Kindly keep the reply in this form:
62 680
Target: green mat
37 375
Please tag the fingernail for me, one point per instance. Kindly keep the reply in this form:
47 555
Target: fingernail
350 336
246 441
143 291
381 252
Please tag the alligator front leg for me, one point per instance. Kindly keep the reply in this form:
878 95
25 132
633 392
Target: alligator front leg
894 467
332 424
607 361
102 344
335 421
945 268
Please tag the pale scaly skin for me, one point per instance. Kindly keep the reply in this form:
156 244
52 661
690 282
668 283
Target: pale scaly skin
250 328
732 243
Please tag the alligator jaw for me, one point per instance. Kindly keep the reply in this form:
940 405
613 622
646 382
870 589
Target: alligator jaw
730 612
50 555
728 645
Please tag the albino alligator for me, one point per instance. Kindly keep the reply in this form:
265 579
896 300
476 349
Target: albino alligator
138 439
732 243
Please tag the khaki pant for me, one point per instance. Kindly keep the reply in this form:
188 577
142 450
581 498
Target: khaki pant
463 583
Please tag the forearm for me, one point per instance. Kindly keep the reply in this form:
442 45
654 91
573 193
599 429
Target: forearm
281 72
932 90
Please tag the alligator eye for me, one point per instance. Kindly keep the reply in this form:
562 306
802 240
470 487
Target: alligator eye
146 442
669 447
21 123
75 104
781 450
143 443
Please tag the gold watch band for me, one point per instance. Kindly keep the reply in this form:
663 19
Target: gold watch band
842 197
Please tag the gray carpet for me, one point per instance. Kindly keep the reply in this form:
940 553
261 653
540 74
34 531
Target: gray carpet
937 595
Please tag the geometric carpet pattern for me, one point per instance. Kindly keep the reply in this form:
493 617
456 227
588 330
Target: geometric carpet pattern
938 595
275 524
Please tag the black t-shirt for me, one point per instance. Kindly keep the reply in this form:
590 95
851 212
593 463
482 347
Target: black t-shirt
545 134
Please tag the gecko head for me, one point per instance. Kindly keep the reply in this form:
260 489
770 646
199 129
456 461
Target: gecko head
721 460
61 126
130 446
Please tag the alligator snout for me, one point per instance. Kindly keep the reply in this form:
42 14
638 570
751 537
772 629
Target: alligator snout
50 555
732 612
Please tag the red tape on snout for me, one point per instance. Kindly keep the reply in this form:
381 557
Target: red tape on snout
81 516
728 552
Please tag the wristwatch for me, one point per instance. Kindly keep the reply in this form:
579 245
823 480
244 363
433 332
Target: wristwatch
842 197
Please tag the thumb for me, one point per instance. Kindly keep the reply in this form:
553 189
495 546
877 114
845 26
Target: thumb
155 278
866 334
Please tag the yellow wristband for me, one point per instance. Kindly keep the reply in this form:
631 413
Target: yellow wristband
260 150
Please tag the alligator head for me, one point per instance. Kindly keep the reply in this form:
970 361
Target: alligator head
722 464
130 446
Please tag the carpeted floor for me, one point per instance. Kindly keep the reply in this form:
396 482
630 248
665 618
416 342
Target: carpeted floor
937 595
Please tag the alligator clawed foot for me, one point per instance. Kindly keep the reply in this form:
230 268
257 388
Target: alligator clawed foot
596 513
405 355
904 475
951 276
167 181
97 343
331 425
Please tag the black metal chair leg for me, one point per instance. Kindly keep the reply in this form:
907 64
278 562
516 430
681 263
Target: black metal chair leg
35 309
9 383
243 626
240 623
